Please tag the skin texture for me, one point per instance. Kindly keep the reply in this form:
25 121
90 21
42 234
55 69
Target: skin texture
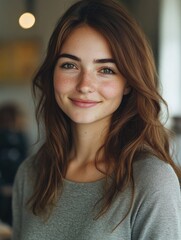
85 89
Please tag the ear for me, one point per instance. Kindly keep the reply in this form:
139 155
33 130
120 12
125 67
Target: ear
127 90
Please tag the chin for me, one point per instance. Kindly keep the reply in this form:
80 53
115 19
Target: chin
89 120
82 121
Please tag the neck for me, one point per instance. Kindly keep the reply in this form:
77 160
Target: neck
87 140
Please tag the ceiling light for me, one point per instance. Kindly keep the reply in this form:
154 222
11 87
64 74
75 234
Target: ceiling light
27 20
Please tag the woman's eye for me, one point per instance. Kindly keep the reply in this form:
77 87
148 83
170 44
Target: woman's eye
107 71
68 66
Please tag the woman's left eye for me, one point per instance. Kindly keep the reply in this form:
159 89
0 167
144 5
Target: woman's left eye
107 71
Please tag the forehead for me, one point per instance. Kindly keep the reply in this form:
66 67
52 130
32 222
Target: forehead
85 39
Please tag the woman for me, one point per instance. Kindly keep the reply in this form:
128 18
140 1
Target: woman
104 170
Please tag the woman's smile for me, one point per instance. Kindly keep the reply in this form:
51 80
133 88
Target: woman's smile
84 103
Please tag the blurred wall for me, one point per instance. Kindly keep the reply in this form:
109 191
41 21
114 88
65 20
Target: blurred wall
146 12
170 54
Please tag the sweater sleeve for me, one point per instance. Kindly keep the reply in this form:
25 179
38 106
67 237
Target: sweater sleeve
158 212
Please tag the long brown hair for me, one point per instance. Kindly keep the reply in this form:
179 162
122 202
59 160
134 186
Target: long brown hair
137 118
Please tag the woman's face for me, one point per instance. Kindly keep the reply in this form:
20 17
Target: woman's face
88 86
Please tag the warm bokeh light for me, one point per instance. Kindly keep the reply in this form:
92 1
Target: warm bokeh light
27 20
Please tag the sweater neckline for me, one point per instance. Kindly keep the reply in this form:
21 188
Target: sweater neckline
72 182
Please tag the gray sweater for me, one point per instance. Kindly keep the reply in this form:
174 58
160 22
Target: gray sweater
155 214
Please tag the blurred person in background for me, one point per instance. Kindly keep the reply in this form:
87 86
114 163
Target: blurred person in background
13 150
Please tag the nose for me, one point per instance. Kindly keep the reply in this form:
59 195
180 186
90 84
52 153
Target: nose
86 83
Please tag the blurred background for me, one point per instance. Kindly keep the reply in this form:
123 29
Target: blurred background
23 47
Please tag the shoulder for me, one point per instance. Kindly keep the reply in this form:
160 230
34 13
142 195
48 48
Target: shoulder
25 170
156 212
151 173
26 165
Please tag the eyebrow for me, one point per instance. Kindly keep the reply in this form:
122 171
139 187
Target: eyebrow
104 60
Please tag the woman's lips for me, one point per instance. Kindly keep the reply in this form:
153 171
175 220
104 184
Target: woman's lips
84 103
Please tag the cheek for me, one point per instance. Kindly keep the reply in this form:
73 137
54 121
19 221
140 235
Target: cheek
61 84
113 90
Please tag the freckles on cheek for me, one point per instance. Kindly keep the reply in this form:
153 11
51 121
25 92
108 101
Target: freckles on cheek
111 90
60 85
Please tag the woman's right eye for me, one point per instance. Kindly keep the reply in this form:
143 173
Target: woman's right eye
68 66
